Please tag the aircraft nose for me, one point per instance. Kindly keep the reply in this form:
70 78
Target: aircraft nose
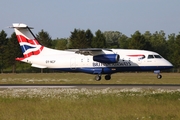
169 65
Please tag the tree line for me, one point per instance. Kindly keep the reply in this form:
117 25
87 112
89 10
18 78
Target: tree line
167 46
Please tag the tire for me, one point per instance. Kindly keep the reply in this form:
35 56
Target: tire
159 76
107 77
98 78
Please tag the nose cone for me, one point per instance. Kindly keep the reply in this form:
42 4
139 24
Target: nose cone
168 65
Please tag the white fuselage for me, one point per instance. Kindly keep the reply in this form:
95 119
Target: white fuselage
130 60
89 60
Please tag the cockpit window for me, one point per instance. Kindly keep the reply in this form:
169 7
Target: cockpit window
150 56
157 56
154 56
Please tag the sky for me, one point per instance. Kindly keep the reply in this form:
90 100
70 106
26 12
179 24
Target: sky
60 17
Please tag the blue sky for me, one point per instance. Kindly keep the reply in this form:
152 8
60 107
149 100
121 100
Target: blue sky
60 17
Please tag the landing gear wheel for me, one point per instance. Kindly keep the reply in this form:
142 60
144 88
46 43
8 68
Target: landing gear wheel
159 76
98 77
108 77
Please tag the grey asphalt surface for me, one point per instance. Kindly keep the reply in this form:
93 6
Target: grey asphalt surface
91 86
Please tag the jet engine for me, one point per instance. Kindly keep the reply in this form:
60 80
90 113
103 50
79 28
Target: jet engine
107 58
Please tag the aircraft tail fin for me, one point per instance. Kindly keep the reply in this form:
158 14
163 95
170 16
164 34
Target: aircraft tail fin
27 40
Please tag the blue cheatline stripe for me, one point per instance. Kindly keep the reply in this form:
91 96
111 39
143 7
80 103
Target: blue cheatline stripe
110 70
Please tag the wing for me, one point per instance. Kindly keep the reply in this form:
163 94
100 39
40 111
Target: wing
100 55
94 51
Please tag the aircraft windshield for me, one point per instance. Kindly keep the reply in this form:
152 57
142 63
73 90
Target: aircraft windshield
154 56
150 56
157 56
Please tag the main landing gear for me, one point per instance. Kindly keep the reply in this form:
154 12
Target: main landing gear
98 77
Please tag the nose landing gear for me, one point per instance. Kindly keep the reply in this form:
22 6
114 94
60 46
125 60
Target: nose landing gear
159 76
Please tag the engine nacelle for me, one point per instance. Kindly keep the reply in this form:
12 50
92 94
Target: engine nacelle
107 58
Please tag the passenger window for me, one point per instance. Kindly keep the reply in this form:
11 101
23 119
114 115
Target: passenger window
150 56
157 56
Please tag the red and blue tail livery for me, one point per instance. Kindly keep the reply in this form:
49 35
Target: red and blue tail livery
27 41
89 60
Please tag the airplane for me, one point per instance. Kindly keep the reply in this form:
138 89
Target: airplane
96 61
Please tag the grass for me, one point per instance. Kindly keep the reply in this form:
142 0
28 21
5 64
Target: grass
89 104
81 78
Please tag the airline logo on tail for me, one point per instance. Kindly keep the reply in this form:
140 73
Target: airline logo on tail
29 47
27 41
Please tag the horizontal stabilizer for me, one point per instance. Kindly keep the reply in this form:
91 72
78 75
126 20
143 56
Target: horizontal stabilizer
20 25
